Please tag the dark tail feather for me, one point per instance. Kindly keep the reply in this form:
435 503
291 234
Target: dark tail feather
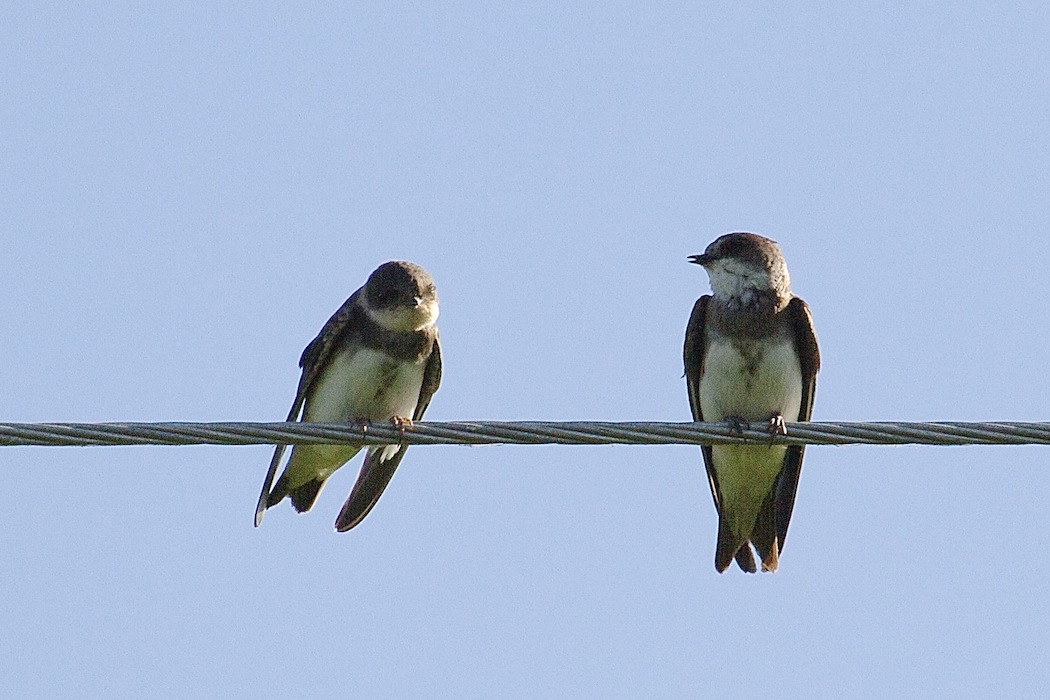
371 482
280 490
731 547
304 497
764 534
265 496
786 487
745 559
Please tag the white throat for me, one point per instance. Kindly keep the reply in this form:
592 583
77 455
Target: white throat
737 281
403 319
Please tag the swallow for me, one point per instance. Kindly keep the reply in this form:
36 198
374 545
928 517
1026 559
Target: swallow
378 358
750 355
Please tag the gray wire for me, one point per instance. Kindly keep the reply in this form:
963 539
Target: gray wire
521 433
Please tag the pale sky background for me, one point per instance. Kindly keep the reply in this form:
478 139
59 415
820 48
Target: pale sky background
189 192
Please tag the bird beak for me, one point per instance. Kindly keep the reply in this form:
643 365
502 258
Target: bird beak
701 259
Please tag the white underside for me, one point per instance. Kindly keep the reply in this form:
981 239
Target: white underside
365 384
755 387
357 385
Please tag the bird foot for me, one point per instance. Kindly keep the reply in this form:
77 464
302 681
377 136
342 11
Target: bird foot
401 423
737 424
361 423
776 425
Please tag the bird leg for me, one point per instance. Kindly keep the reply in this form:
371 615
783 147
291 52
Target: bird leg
737 424
401 423
361 423
775 426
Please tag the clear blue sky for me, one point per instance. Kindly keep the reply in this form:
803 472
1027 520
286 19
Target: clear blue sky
189 192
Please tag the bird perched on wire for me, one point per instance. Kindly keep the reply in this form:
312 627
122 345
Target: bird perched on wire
750 356
377 359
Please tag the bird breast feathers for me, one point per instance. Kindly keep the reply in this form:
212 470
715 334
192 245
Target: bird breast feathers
365 384
752 381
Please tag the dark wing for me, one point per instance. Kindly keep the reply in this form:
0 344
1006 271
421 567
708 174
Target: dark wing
317 354
376 472
693 354
431 380
695 346
809 359
314 359
695 349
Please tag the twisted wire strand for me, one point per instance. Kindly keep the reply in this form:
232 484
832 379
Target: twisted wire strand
521 433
